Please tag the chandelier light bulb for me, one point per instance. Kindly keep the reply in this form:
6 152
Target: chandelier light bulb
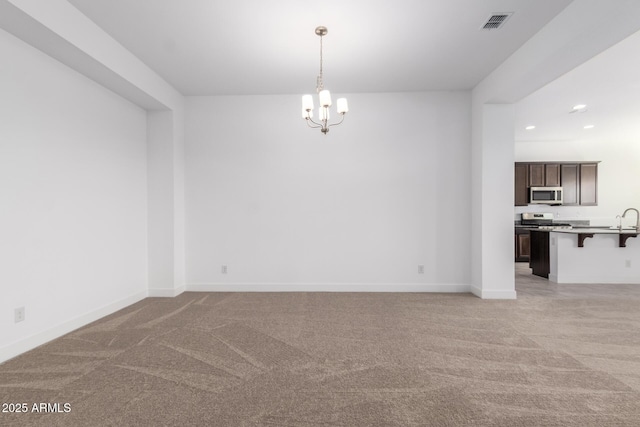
307 102
343 108
325 98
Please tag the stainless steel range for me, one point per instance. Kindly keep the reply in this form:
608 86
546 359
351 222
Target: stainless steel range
542 221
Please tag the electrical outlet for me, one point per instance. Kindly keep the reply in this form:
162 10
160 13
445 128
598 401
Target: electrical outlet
224 269
19 314
420 269
627 263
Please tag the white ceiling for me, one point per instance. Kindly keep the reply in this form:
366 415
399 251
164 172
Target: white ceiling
609 84
215 47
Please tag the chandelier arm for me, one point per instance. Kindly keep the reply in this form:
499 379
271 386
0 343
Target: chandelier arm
337 123
317 125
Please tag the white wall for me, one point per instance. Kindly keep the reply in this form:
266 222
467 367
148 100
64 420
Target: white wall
618 184
288 208
73 190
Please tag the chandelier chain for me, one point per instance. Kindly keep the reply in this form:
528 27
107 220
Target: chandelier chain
320 82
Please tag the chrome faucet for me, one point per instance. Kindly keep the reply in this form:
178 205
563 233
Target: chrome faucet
619 218
637 217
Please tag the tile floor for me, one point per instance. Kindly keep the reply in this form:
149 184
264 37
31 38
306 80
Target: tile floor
528 285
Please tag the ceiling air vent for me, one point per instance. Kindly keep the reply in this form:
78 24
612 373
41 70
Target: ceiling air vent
496 21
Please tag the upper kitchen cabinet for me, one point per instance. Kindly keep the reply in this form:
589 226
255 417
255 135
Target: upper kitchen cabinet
579 184
570 184
544 174
588 184
579 181
552 175
521 174
536 175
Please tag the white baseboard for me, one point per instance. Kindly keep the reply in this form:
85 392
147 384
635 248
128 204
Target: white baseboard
14 349
327 287
489 294
166 292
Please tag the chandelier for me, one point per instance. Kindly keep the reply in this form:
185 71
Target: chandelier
325 99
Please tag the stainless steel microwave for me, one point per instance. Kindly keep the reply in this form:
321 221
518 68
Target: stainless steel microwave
545 195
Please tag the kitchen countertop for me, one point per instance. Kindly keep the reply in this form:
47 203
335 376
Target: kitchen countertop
595 230
575 223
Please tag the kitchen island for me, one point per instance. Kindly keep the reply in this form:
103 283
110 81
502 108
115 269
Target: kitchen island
587 255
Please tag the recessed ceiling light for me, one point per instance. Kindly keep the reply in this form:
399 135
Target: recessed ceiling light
589 126
579 107
531 127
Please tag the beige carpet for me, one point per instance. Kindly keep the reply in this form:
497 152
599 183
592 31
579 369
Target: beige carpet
558 356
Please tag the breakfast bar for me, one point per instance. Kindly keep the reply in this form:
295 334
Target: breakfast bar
593 255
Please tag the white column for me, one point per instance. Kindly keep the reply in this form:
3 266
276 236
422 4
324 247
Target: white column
165 204
492 213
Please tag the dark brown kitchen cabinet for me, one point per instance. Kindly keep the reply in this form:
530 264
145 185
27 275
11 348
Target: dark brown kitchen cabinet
588 184
570 184
579 181
552 175
522 245
536 175
539 261
579 184
521 174
544 174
